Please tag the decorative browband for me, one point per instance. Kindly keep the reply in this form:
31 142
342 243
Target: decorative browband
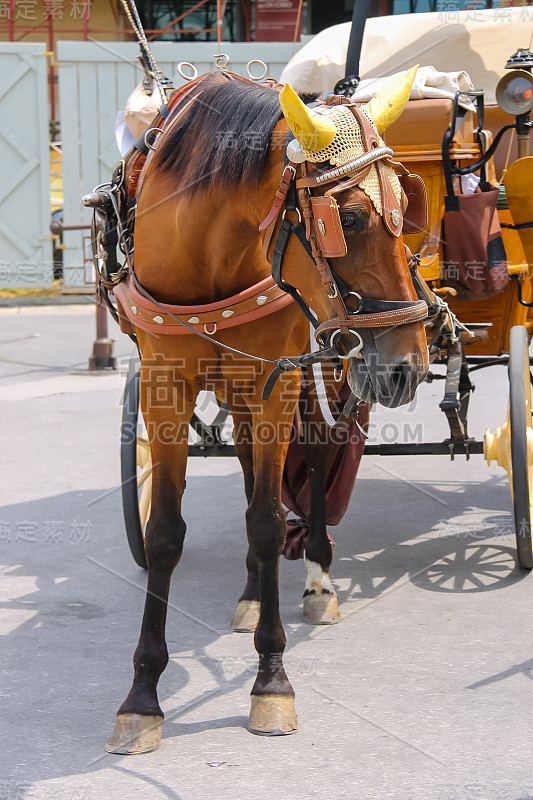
355 165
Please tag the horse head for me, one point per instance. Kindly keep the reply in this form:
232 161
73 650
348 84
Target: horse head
351 201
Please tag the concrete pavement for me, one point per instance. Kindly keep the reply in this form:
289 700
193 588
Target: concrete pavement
421 692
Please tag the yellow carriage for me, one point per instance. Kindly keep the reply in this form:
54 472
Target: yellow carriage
493 329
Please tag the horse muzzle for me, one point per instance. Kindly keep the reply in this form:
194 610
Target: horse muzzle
389 381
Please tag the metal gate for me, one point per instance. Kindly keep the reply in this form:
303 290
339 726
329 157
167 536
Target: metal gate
25 242
95 80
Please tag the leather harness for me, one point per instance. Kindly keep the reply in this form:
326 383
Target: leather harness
258 301
321 235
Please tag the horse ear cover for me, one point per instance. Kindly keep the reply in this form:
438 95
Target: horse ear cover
387 105
313 131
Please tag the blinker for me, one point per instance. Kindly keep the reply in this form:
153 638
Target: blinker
328 226
416 214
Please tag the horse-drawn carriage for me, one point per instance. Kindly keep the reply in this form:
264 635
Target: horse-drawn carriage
326 189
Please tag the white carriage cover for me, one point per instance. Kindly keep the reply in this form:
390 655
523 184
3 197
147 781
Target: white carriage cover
476 42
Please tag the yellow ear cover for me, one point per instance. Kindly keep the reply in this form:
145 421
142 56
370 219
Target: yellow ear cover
387 105
313 131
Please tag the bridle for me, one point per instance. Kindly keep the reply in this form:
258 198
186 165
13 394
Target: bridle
322 236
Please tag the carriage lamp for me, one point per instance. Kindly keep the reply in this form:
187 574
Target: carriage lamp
514 92
522 59
514 95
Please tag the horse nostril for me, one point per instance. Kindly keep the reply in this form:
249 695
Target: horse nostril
403 378
402 371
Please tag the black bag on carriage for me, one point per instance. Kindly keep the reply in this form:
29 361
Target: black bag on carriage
475 259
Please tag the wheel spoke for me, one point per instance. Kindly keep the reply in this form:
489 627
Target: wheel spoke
143 451
144 474
145 501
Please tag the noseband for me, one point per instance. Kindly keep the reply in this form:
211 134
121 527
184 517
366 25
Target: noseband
322 237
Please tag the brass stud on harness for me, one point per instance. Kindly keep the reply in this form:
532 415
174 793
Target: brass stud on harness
395 217
227 313
194 320
134 310
159 320
261 300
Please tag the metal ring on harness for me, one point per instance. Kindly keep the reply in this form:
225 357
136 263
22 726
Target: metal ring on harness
210 333
180 70
354 351
148 145
359 301
292 209
101 252
256 77
338 374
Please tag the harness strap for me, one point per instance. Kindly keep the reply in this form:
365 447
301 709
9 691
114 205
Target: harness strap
284 234
367 305
298 362
281 192
520 227
259 300
321 263
416 311
140 288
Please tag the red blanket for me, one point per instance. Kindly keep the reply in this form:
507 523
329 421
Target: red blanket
346 449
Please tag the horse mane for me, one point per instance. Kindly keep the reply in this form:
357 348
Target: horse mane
221 134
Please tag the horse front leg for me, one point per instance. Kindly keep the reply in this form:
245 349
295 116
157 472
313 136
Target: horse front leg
272 707
320 598
139 719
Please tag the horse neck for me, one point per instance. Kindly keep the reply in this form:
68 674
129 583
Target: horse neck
199 249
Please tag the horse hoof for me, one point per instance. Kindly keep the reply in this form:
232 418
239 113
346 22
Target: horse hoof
246 617
321 609
273 715
135 733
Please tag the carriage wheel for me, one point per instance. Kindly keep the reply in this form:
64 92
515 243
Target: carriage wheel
135 468
521 442
512 444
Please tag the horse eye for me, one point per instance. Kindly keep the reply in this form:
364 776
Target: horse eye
352 221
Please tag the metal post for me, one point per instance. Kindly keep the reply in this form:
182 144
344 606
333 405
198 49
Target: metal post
523 128
523 145
102 356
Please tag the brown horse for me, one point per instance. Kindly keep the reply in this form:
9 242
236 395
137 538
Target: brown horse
209 185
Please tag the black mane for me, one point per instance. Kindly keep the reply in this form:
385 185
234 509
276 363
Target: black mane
222 137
